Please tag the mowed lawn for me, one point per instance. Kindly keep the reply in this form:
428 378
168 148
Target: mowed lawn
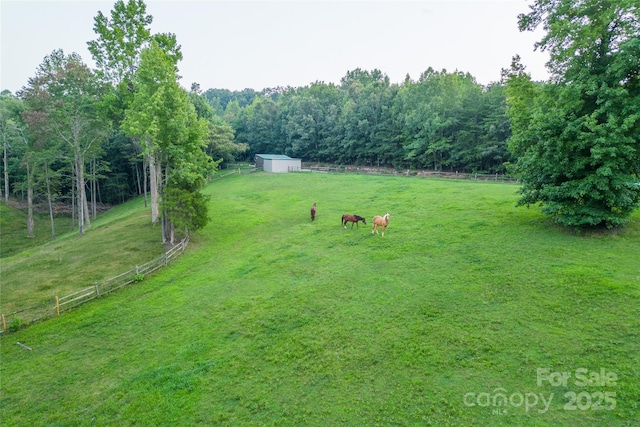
469 311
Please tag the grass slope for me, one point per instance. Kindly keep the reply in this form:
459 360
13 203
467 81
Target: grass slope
117 241
269 319
13 229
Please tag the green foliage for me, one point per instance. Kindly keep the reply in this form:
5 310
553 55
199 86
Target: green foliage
120 40
578 138
270 319
443 121
165 120
186 209
14 325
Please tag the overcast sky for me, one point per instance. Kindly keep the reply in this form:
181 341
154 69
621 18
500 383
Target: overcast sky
259 44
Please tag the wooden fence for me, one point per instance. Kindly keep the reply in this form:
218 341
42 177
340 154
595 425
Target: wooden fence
57 305
408 172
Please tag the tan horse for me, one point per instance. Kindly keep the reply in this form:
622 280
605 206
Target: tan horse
380 221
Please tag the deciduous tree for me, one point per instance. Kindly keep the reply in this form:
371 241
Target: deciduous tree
578 145
63 103
172 136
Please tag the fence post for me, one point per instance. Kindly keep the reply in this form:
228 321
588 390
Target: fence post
4 324
57 306
97 289
166 260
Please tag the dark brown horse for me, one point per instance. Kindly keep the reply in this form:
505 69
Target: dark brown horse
352 219
380 221
313 212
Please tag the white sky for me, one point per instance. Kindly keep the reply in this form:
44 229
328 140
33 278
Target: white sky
257 44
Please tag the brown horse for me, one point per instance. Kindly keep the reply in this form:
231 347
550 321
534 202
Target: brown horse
313 212
380 221
352 219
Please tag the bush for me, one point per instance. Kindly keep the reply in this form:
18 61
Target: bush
14 325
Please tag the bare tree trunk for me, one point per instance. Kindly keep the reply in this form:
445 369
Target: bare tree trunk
30 224
53 227
168 227
83 193
80 204
153 181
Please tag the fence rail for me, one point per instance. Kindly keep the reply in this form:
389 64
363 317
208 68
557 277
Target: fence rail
57 305
408 172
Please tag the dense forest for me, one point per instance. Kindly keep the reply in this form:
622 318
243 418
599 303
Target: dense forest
80 137
442 121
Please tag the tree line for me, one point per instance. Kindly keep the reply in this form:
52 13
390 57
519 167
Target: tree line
442 121
81 136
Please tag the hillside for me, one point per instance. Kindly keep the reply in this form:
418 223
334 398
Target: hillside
13 229
40 268
270 319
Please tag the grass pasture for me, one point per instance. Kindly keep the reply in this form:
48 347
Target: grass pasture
269 319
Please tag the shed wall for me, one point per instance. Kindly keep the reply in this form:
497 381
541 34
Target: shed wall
284 165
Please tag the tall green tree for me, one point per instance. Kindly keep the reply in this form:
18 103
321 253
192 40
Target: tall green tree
10 115
220 141
121 38
122 35
162 117
363 115
578 146
63 105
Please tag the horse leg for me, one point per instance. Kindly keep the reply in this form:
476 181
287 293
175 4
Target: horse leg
383 227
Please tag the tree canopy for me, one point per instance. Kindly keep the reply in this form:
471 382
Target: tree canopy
80 136
577 138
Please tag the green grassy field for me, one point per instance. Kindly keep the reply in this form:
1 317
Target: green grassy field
269 319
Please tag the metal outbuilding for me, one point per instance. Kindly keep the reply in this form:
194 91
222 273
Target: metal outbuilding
277 163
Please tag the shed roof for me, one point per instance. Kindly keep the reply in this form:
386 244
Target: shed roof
274 156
